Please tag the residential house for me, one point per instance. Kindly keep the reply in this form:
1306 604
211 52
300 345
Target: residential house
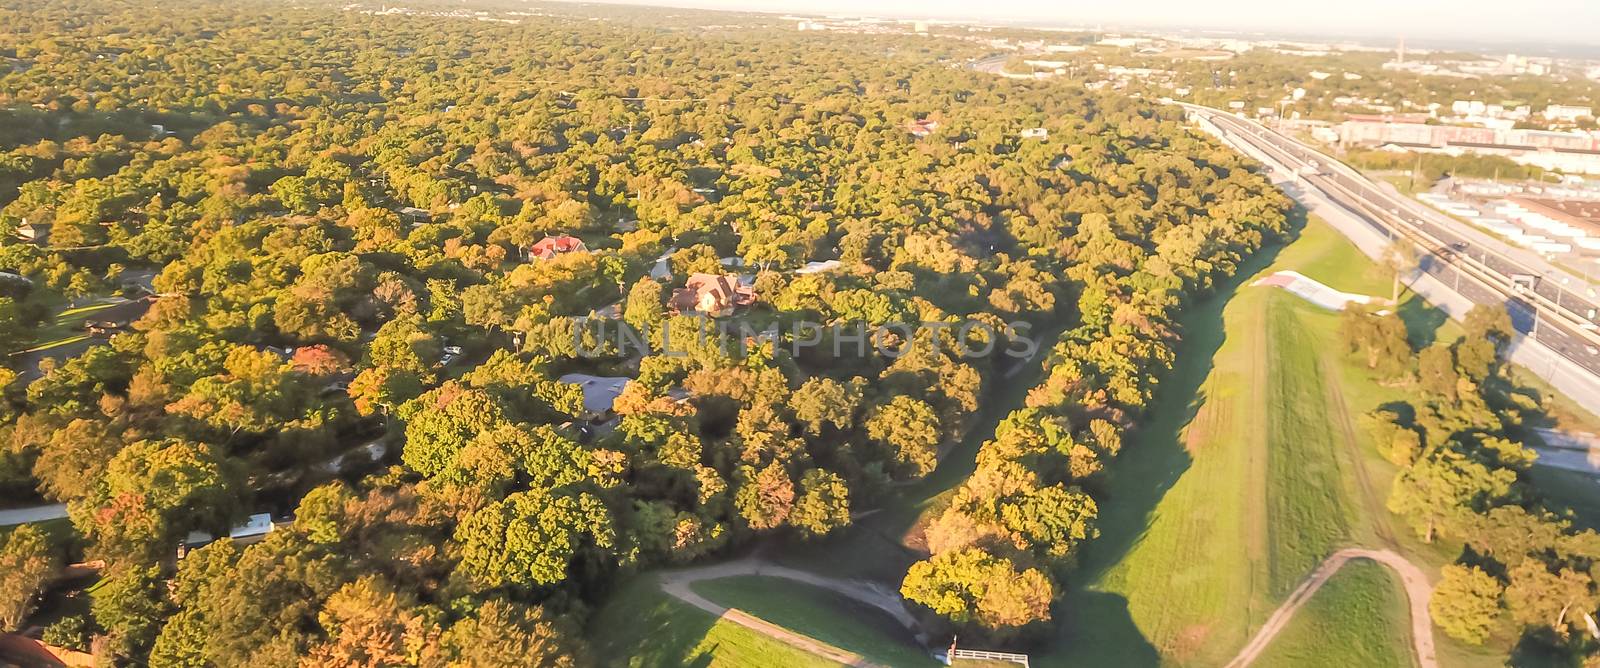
599 392
549 247
818 267
712 294
415 216
35 232
922 128
255 528
1035 133
14 285
612 311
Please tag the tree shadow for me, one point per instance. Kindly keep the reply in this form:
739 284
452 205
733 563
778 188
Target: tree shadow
1422 320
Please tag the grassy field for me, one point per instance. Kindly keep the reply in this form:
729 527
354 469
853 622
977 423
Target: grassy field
642 627
1321 633
820 614
1249 470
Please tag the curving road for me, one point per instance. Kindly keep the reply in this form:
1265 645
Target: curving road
1417 592
677 583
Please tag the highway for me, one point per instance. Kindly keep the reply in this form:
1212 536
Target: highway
1541 307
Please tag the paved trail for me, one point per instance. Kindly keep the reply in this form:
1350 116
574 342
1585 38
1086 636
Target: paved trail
677 583
1417 591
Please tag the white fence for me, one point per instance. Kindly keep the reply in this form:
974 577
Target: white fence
982 655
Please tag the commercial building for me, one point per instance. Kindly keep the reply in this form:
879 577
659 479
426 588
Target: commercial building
1567 113
1573 152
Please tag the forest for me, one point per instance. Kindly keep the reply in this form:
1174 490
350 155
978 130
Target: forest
356 245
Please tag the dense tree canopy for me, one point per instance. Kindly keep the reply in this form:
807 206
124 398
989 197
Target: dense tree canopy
336 209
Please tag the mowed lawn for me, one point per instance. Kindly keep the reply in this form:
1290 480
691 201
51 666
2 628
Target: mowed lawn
1249 470
1321 633
819 614
642 627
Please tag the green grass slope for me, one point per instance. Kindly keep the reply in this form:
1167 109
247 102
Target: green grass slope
1322 634
1249 470
642 627
819 614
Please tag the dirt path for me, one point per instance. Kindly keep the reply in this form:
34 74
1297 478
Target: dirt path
677 583
1345 424
1417 592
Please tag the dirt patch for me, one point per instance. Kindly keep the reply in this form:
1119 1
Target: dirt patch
1189 641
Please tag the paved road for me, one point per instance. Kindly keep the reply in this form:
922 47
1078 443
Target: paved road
677 583
1555 310
1547 342
1417 592
30 515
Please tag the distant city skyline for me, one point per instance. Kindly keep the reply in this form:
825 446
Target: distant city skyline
1565 22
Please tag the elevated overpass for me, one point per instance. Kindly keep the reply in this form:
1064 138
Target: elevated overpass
1554 314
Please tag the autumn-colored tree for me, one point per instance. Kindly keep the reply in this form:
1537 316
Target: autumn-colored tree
1466 603
765 497
370 625
824 503
908 430
972 586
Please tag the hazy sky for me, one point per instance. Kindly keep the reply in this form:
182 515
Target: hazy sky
1565 21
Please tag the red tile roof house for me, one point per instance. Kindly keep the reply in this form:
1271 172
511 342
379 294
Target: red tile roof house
711 294
549 247
922 128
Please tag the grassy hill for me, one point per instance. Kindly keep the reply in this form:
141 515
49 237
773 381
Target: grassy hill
1321 633
1250 470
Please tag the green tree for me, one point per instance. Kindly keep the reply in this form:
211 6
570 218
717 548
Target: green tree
27 564
973 586
1538 597
442 422
908 429
645 307
1443 488
824 503
825 401
528 538
1466 603
502 634
130 606
151 493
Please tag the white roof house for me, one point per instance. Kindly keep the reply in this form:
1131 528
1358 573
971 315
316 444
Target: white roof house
256 526
818 267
